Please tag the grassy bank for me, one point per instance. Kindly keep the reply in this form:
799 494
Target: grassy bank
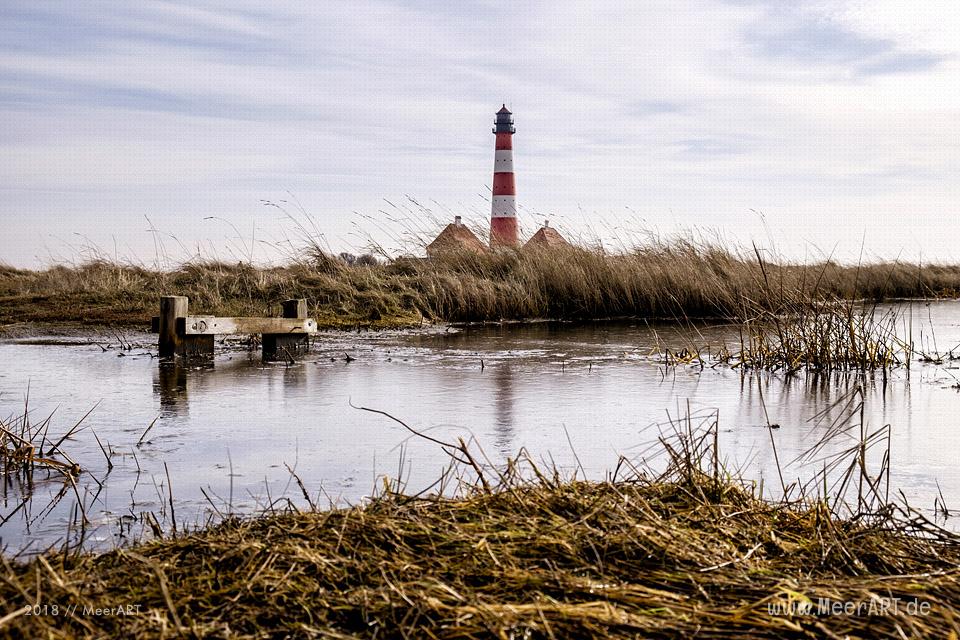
665 280
691 552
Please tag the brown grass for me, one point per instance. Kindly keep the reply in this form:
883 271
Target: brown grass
691 552
676 279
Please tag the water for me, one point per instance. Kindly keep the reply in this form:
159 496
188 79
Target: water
571 395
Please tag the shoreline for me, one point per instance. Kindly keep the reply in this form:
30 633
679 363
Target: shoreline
79 327
678 280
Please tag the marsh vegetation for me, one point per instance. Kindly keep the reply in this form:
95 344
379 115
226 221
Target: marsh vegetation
519 550
671 279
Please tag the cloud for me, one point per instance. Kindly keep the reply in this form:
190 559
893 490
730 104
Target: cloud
655 107
814 39
815 43
711 146
901 63
706 109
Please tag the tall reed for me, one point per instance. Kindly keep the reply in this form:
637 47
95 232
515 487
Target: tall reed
669 279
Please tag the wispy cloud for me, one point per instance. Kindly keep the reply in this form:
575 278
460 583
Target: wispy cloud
800 35
900 62
814 42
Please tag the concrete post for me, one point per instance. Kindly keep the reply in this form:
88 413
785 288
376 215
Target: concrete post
171 342
285 346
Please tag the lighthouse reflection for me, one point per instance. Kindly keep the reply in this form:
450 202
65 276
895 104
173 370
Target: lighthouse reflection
504 408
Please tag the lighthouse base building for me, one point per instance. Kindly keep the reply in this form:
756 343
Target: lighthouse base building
455 238
546 238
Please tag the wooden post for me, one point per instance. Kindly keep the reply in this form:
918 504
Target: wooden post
171 308
282 346
172 342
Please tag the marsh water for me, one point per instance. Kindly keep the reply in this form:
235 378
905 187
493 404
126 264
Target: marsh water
575 396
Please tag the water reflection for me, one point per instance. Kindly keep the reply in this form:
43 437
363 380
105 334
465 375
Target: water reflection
503 399
540 384
174 384
170 387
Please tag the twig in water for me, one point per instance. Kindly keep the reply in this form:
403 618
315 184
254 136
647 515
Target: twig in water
573 449
173 516
219 513
83 509
773 443
461 446
303 489
109 461
144 435
72 430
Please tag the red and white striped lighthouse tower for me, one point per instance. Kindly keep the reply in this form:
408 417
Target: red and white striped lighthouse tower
503 213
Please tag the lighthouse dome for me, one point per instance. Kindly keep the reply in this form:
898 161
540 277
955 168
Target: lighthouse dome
504 123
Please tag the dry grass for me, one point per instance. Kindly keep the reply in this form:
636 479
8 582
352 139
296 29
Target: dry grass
517 553
676 279
26 447
824 337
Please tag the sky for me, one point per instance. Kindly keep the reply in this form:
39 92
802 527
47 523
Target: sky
157 132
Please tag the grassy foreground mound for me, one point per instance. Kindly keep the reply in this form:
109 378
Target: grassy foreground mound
675 279
682 555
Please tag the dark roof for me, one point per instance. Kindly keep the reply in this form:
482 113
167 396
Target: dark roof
504 109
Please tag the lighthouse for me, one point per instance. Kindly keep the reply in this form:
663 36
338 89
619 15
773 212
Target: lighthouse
503 211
